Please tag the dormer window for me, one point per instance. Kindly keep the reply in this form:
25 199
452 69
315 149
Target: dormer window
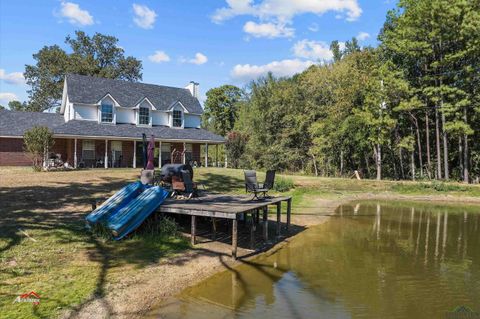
177 118
107 113
144 116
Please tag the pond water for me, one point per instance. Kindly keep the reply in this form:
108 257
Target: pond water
370 260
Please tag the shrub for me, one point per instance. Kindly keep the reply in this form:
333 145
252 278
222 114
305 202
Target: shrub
38 140
283 184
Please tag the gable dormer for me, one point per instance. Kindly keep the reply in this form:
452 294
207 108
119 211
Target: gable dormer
107 109
176 115
144 112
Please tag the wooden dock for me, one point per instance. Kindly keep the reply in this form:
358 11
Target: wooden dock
232 208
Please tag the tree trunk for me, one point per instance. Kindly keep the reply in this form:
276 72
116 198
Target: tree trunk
341 163
427 138
437 140
378 161
402 171
466 177
419 145
445 145
412 158
315 165
460 155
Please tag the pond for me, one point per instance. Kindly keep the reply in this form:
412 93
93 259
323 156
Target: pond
370 260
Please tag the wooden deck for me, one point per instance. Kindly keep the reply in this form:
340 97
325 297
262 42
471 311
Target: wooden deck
229 207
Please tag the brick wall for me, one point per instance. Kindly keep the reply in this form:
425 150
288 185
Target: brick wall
177 158
12 154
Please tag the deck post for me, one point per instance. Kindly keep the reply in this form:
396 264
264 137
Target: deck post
234 238
75 155
206 154
279 212
134 164
265 223
106 154
160 154
214 228
289 212
193 230
252 229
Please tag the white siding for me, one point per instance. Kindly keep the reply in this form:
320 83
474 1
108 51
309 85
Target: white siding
85 112
125 116
191 120
160 118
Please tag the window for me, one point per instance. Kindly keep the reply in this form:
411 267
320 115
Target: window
177 118
166 153
88 150
117 157
107 113
144 116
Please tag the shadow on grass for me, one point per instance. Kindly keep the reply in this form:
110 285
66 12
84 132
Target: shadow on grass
218 183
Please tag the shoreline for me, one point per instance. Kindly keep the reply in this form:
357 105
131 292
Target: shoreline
134 297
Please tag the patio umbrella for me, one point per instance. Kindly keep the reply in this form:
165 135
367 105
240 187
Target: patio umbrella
144 150
150 153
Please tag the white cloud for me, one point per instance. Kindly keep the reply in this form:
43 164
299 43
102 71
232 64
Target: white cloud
247 72
6 97
15 78
285 10
268 30
313 27
75 14
159 57
363 36
144 16
198 59
315 50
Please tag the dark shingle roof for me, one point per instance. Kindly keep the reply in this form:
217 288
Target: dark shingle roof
90 89
16 123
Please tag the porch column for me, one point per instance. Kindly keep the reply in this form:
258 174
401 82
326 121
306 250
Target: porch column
206 154
184 149
160 154
134 154
75 155
106 154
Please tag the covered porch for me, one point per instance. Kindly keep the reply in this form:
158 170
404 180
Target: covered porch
107 153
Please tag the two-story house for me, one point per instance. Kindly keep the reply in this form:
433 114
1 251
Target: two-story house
102 120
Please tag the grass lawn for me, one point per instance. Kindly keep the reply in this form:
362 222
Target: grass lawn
45 248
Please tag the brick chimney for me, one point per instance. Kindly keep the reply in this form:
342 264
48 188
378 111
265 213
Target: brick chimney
193 88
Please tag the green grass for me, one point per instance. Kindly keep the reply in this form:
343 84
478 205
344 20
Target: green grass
67 266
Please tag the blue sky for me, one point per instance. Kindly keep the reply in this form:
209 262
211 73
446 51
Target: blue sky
211 42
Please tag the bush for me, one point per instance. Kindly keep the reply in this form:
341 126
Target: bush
38 140
283 184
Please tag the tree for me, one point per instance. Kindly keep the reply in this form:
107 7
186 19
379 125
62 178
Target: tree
337 52
351 46
18 106
221 108
98 55
38 141
235 147
2 107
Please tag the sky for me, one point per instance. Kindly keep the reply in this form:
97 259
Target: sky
213 42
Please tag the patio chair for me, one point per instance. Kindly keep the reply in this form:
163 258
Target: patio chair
269 180
252 186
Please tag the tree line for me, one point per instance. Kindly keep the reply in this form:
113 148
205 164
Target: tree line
407 109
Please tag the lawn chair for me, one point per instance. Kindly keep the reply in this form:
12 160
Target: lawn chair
252 186
269 180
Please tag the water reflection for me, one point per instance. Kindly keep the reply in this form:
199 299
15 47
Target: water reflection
373 260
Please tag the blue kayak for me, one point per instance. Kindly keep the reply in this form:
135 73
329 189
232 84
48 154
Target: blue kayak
112 205
136 211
